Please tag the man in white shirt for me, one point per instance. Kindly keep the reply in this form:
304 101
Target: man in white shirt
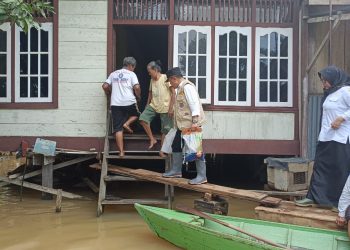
344 206
189 115
125 90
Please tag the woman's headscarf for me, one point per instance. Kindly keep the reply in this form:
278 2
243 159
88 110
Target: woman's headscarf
336 77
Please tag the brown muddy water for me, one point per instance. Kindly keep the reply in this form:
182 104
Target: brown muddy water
33 224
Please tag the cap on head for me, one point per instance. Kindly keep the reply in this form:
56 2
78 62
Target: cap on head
174 72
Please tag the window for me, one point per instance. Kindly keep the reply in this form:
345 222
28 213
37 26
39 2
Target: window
192 55
232 66
273 65
5 62
33 75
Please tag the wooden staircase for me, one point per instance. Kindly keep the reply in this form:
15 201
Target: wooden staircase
110 153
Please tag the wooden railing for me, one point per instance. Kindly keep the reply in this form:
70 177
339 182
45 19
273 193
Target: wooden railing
265 11
141 9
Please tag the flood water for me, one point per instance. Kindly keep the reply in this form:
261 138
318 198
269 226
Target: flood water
33 224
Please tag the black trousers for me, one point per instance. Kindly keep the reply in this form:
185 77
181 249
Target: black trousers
331 170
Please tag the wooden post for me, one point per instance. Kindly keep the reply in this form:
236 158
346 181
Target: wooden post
59 201
47 180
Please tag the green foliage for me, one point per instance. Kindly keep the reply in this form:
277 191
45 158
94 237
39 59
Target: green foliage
22 13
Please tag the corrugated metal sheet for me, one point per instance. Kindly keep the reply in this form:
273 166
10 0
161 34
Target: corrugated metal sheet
314 114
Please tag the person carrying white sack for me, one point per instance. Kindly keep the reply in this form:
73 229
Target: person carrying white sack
188 115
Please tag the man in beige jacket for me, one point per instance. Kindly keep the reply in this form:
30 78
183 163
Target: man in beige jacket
188 114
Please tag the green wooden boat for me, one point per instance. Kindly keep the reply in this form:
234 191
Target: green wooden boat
192 232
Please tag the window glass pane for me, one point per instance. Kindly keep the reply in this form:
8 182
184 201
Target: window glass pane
223 45
242 91
192 67
202 43
3 41
34 39
222 67
263 68
273 44
284 91
44 64
202 88
243 45
263 92
222 90
263 45
3 64
192 42
3 89
181 43
23 64
33 64
23 90
284 69
34 87
232 68
232 90
233 43
242 68
23 41
273 69
44 87
193 80
273 91
182 64
202 65
284 45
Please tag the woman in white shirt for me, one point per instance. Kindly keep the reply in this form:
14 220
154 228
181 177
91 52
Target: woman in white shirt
332 159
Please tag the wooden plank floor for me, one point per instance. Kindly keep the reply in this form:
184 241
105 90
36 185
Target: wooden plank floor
288 212
183 183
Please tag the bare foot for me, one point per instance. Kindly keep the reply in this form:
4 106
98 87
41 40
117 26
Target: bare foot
152 143
162 154
127 128
121 154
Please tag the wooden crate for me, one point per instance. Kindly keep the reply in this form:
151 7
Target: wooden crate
295 176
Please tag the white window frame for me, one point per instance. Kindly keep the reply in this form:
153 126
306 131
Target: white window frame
281 31
46 27
7 27
205 30
247 31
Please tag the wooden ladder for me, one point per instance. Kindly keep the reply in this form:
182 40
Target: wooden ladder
105 178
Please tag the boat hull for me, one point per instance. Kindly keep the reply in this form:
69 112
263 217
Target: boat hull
191 232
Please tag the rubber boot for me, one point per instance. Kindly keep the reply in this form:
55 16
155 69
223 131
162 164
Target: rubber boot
201 173
175 168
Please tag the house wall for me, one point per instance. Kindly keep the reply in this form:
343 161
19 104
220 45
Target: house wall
82 57
340 51
249 125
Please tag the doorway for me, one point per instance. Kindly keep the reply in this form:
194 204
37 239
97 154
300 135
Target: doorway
145 44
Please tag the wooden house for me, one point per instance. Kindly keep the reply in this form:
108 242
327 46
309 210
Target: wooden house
247 58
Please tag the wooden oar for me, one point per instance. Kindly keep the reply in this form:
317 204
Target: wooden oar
208 217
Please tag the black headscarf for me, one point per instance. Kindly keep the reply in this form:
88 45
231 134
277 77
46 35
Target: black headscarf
336 77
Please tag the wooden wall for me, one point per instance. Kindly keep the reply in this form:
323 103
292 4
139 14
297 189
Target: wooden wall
249 125
82 66
340 51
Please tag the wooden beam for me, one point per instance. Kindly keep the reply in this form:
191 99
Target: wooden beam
47 180
55 167
323 43
59 201
41 188
326 18
90 184
183 183
288 212
326 2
